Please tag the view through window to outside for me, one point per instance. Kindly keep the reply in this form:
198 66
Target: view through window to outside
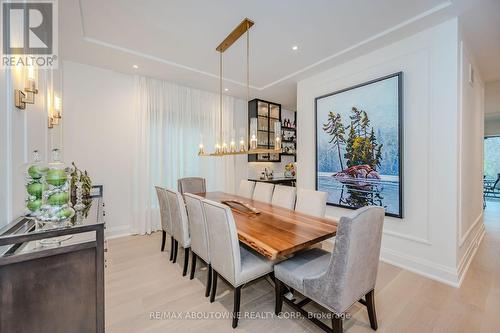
492 157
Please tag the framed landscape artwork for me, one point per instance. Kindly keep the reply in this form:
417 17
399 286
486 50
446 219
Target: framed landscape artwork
359 132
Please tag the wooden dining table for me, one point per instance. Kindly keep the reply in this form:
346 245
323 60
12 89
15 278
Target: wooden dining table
274 231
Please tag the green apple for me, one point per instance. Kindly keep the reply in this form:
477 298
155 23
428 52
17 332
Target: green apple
56 177
58 199
34 205
65 213
36 171
35 189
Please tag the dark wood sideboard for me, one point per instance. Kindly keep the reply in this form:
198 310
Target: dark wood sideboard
53 288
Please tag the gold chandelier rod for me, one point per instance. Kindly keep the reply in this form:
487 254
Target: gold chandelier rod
243 27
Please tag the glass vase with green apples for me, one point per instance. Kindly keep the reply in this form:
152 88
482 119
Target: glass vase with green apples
34 186
56 205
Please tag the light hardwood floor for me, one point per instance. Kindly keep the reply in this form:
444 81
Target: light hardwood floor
141 281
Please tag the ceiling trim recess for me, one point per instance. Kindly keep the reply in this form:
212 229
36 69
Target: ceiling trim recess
381 34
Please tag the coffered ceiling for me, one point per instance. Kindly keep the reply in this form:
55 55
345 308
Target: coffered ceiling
175 40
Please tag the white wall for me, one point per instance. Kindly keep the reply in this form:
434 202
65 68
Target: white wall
425 240
492 98
99 134
471 108
23 131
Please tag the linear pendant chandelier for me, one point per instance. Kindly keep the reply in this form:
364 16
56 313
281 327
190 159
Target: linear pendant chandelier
221 147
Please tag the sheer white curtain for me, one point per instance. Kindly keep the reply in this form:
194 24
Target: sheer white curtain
172 120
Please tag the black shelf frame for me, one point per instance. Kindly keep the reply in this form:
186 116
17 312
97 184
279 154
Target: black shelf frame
253 112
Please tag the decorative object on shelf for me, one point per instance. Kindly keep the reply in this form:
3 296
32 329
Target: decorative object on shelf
34 186
289 138
21 98
221 148
359 133
81 186
290 170
56 205
266 174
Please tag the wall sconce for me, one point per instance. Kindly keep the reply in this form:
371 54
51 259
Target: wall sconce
55 114
21 98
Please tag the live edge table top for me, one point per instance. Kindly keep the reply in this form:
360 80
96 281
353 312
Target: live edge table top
275 231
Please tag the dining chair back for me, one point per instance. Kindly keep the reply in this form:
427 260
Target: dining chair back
263 192
339 279
224 249
246 189
191 185
311 202
161 193
353 267
197 226
284 196
180 227
166 223
199 236
236 264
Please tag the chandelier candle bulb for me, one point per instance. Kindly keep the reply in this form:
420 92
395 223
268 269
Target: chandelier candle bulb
253 142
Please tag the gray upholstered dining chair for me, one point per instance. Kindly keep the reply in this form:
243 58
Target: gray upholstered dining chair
263 192
191 185
246 189
311 202
180 226
284 196
339 279
199 236
231 261
166 224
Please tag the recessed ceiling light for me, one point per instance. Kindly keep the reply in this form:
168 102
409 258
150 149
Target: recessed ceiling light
226 89
295 47
135 66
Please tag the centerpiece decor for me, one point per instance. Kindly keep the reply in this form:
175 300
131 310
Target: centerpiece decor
56 204
359 133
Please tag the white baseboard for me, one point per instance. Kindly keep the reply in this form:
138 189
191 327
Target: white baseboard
116 232
431 270
464 264
445 274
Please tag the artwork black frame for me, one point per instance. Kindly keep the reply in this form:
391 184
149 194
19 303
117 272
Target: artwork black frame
399 75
